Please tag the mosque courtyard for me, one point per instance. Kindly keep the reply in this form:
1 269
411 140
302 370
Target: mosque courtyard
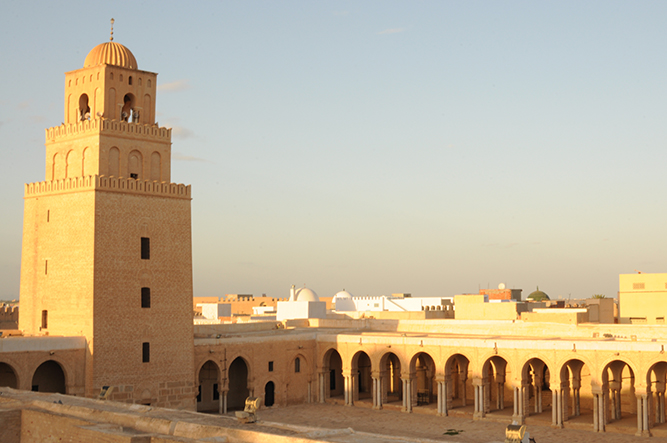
399 426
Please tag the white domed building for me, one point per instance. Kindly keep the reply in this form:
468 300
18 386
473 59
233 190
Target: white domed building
343 302
303 303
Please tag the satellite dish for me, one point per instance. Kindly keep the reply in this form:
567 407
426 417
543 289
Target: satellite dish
501 286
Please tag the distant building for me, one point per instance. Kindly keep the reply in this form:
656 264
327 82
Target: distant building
642 298
502 294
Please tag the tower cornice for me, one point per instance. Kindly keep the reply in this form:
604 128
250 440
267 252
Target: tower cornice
107 127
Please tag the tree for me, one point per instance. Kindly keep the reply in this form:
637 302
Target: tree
599 296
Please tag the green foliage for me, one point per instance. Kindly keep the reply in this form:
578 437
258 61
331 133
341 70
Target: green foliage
599 296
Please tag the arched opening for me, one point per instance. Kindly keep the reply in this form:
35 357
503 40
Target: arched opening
493 388
656 379
84 108
361 367
458 388
238 385
127 112
269 394
535 382
8 376
618 386
49 377
390 376
334 367
208 398
425 387
576 402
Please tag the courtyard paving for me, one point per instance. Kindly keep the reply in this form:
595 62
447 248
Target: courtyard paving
426 426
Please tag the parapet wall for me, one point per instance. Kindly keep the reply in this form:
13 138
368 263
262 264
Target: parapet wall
111 184
9 313
111 127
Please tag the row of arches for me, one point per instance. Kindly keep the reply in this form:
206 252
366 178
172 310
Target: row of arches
75 164
615 397
222 389
47 377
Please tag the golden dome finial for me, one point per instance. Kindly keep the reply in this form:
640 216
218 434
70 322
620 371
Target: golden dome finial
111 38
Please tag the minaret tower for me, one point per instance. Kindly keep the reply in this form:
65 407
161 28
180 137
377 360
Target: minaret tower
107 248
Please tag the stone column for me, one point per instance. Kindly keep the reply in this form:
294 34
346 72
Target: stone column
576 396
599 411
659 402
538 399
520 393
442 396
348 377
615 394
222 398
643 424
407 394
500 401
377 390
463 380
478 386
323 380
554 408
564 399
355 386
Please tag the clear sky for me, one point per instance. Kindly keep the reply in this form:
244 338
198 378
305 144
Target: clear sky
431 147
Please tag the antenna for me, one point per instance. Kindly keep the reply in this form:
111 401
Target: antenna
111 38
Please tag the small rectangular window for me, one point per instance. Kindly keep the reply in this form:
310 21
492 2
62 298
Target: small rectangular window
134 176
46 267
638 286
45 319
48 215
270 366
146 352
145 297
297 364
145 248
216 394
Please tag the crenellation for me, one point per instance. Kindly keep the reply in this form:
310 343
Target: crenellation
96 182
107 127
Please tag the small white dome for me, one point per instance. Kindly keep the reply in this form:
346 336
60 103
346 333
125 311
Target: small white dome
305 294
343 294
343 302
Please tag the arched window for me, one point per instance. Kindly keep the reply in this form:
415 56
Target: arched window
297 364
128 112
129 80
84 109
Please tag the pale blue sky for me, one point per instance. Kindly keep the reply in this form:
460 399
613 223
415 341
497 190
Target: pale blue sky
378 146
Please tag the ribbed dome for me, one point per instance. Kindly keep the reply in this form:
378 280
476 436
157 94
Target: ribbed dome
110 53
